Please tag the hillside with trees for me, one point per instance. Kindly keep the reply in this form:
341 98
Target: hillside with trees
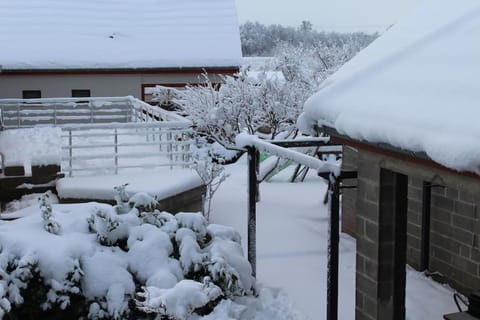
263 40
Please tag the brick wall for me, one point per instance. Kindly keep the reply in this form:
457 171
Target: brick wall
367 233
349 199
454 247
414 221
454 250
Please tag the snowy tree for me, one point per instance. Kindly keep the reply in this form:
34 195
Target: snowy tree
261 40
210 171
221 113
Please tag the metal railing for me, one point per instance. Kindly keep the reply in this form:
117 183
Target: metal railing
106 135
24 113
111 148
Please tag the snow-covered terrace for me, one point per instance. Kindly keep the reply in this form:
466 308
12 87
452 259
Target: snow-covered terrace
122 139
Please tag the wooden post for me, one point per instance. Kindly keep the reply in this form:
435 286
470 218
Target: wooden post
252 207
332 276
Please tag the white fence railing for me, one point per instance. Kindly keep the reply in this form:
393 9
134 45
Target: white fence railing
22 113
106 135
115 148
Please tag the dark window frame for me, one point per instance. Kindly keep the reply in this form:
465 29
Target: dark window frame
81 93
31 94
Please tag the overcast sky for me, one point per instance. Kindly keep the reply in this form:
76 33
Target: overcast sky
328 15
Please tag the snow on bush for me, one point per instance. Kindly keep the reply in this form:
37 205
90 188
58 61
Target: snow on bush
100 263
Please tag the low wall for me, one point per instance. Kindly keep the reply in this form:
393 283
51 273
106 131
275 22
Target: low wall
14 183
186 201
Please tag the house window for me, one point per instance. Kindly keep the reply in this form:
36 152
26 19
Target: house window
80 93
31 94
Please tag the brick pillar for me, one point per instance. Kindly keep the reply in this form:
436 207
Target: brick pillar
349 196
381 244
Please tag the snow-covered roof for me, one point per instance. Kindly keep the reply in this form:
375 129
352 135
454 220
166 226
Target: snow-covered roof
415 88
59 34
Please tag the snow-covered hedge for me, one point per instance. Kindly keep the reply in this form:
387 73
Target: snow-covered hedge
99 264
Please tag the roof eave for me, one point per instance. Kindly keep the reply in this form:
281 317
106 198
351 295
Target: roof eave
215 69
385 146
420 158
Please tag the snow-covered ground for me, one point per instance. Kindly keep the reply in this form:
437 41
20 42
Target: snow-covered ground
292 224
292 233
175 181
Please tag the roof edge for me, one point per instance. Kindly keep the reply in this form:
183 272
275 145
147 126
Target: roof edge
58 71
420 158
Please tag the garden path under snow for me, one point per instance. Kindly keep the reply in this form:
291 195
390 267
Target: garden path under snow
292 239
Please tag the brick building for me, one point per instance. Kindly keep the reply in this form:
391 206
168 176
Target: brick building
406 111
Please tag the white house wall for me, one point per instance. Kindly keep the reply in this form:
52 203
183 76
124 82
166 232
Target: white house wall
11 86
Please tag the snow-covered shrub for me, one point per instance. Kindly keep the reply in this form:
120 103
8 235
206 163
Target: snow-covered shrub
49 224
121 198
180 301
143 202
108 227
142 264
66 295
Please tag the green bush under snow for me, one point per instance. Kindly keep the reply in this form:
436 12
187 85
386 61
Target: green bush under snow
91 261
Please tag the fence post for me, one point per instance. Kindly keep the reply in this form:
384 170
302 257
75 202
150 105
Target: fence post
252 208
2 120
160 133
116 151
169 148
175 146
55 115
18 115
2 171
186 154
70 152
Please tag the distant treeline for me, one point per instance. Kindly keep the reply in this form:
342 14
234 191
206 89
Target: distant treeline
262 40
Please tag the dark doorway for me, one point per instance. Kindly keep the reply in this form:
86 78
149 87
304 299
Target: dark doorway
392 245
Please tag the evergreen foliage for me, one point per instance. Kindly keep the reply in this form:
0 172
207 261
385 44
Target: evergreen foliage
160 266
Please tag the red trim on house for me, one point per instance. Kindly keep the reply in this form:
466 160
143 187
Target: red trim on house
225 70
400 156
